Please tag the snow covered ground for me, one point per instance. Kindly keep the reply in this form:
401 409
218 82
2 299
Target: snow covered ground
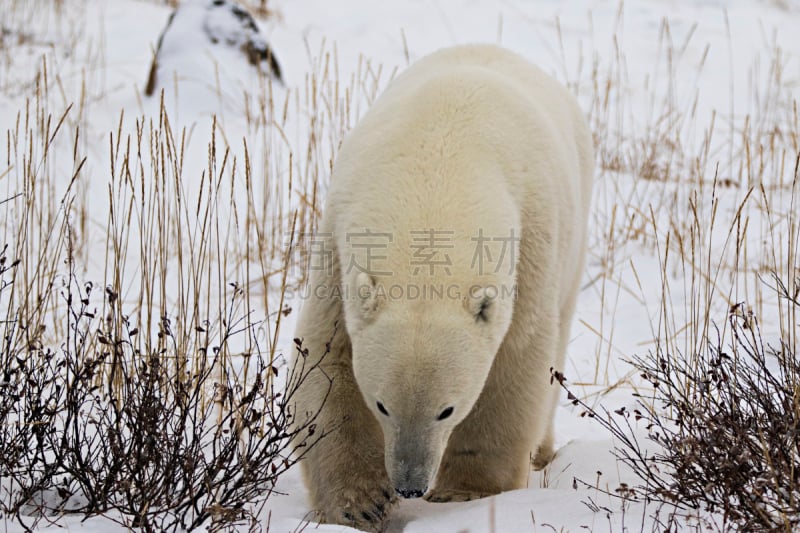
691 102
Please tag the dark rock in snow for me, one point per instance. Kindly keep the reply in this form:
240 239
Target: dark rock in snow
197 25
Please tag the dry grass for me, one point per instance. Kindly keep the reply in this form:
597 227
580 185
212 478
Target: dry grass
157 277
712 198
725 423
710 194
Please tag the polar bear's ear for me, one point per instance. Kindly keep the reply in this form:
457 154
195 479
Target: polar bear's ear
479 303
367 293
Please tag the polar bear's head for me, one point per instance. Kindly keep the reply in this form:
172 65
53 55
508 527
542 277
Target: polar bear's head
421 366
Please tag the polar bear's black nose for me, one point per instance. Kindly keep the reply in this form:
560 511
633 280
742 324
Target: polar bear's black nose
410 493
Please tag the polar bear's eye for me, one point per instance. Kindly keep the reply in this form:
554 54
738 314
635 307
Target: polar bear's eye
382 409
445 414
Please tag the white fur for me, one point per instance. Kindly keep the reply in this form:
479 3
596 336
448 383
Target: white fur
470 141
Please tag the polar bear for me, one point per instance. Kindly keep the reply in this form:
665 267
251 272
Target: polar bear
448 260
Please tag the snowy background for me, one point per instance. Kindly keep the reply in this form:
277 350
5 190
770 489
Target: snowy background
691 103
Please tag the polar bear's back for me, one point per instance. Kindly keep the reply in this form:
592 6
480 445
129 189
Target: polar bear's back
542 91
566 145
473 136
508 67
440 91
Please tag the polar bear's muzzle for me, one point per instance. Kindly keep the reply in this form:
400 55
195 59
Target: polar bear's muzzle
409 480
411 467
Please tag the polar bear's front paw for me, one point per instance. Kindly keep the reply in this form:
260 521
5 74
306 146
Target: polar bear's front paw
450 495
362 509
